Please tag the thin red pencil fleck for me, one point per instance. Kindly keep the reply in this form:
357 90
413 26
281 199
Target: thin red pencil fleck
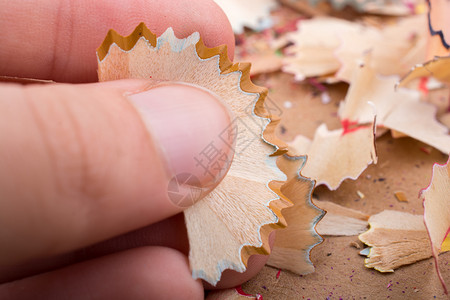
240 291
426 150
423 85
314 82
350 126
278 273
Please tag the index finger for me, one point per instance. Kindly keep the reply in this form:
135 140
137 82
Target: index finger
57 40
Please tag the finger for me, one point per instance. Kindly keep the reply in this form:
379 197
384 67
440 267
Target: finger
142 273
231 278
170 233
84 163
49 39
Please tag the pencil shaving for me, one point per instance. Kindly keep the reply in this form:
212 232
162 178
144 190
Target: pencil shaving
246 206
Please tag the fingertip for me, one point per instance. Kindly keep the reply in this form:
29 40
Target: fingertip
221 31
59 39
93 170
141 273
188 124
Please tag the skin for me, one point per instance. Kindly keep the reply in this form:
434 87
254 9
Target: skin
72 225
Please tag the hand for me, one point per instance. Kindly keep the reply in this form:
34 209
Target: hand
84 169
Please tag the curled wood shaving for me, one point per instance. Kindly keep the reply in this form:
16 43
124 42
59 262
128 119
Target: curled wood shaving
436 202
246 206
340 220
294 243
400 110
334 156
314 43
394 48
396 239
324 45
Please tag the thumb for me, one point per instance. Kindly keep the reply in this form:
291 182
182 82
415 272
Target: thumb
83 163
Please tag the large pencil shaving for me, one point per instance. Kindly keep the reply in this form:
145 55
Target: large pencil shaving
314 43
397 109
394 48
436 203
294 243
340 220
396 239
236 218
325 45
418 120
334 156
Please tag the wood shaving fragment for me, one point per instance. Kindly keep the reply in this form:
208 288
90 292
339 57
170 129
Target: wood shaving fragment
418 120
400 110
436 203
366 86
360 194
334 156
394 49
340 220
325 45
401 196
355 245
314 43
265 63
293 243
395 239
